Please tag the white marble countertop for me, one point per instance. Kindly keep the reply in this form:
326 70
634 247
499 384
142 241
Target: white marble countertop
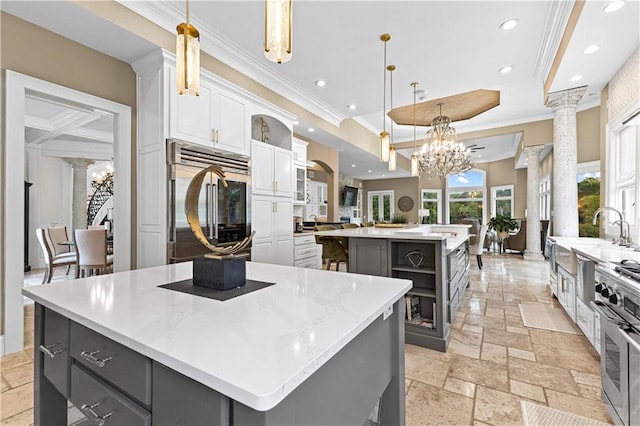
256 348
452 235
597 249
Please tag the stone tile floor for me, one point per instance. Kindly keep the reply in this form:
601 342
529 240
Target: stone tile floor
493 361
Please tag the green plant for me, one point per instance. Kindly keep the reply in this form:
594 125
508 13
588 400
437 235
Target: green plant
501 223
399 218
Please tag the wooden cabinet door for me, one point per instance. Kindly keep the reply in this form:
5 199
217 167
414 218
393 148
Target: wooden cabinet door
190 116
262 168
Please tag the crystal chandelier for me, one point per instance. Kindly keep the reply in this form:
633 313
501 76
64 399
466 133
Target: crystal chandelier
442 155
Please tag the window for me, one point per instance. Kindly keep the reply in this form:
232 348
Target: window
432 202
357 210
380 205
623 176
545 198
466 196
502 200
588 198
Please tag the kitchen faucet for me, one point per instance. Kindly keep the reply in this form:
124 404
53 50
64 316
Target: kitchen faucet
601 209
627 238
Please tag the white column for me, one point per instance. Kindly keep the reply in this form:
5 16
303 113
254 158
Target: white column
79 203
533 251
565 161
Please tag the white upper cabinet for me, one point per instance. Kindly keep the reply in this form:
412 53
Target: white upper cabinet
190 116
230 125
271 170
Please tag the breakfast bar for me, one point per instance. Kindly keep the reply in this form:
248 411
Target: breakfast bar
311 347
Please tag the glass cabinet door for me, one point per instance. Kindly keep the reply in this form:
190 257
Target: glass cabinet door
300 188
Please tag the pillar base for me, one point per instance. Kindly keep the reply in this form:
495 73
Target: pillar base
538 257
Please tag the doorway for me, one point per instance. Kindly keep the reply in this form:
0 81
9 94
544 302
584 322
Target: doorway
18 88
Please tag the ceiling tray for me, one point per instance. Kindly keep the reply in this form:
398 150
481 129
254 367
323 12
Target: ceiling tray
457 107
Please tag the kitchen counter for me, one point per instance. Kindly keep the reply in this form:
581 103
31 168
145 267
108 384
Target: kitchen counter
597 249
256 349
452 236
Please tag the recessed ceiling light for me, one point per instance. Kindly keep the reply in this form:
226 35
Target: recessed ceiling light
368 171
591 49
509 24
351 107
295 123
576 78
353 165
479 155
311 129
506 70
321 83
382 175
613 6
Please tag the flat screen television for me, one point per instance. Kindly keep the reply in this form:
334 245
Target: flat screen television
349 196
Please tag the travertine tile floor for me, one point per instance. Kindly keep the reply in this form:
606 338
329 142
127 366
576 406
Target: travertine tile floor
493 361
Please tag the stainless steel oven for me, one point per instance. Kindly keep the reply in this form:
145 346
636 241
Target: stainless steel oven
618 303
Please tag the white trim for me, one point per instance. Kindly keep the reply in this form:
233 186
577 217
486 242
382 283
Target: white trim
557 18
482 188
2 345
16 87
438 201
496 188
589 166
164 15
382 193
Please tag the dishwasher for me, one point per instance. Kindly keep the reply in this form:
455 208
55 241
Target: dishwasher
585 292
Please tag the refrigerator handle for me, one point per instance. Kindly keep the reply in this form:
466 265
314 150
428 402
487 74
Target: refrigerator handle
208 208
214 212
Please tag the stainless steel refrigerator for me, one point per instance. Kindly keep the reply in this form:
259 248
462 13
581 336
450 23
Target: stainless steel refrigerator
224 212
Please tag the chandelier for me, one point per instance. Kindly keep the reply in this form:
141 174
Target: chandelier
278 30
442 155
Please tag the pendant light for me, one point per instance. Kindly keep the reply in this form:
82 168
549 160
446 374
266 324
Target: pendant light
392 148
414 157
384 136
277 30
188 58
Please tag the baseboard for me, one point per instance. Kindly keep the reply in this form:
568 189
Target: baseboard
2 345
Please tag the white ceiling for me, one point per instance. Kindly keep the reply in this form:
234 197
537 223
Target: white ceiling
449 47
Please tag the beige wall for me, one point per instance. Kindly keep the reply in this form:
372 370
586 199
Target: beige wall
34 51
328 158
588 123
401 187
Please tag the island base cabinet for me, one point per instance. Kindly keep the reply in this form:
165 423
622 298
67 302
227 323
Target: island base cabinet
346 389
102 404
178 400
368 256
56 351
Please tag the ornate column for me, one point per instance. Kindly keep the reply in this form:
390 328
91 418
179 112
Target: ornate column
565 160
79 204
533 251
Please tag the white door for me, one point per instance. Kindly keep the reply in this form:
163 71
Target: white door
283 172
380 205
262 218
283 219
262 168
262 251
283 251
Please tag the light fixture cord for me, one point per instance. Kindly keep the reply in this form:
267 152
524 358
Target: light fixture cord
391 98
184 49
415 148
384 90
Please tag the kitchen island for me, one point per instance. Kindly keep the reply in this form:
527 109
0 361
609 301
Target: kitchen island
316 347
434 257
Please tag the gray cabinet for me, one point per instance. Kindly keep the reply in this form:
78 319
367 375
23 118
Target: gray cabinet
368 256
439 278
178 400
55 350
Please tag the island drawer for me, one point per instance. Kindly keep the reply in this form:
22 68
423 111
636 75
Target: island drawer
102 404
305 251
55 350
125 369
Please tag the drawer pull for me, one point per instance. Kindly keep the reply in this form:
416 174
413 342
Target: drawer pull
47 350
88 410
89 356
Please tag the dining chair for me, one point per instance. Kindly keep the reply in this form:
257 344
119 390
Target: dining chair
476 244
57 235
52 260
333 249
91 249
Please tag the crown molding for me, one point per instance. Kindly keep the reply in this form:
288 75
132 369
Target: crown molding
163 14
557 18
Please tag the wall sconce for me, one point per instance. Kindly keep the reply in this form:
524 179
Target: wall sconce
188 58
277 30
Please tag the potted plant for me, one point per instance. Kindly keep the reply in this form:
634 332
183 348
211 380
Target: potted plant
399 218
502 225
